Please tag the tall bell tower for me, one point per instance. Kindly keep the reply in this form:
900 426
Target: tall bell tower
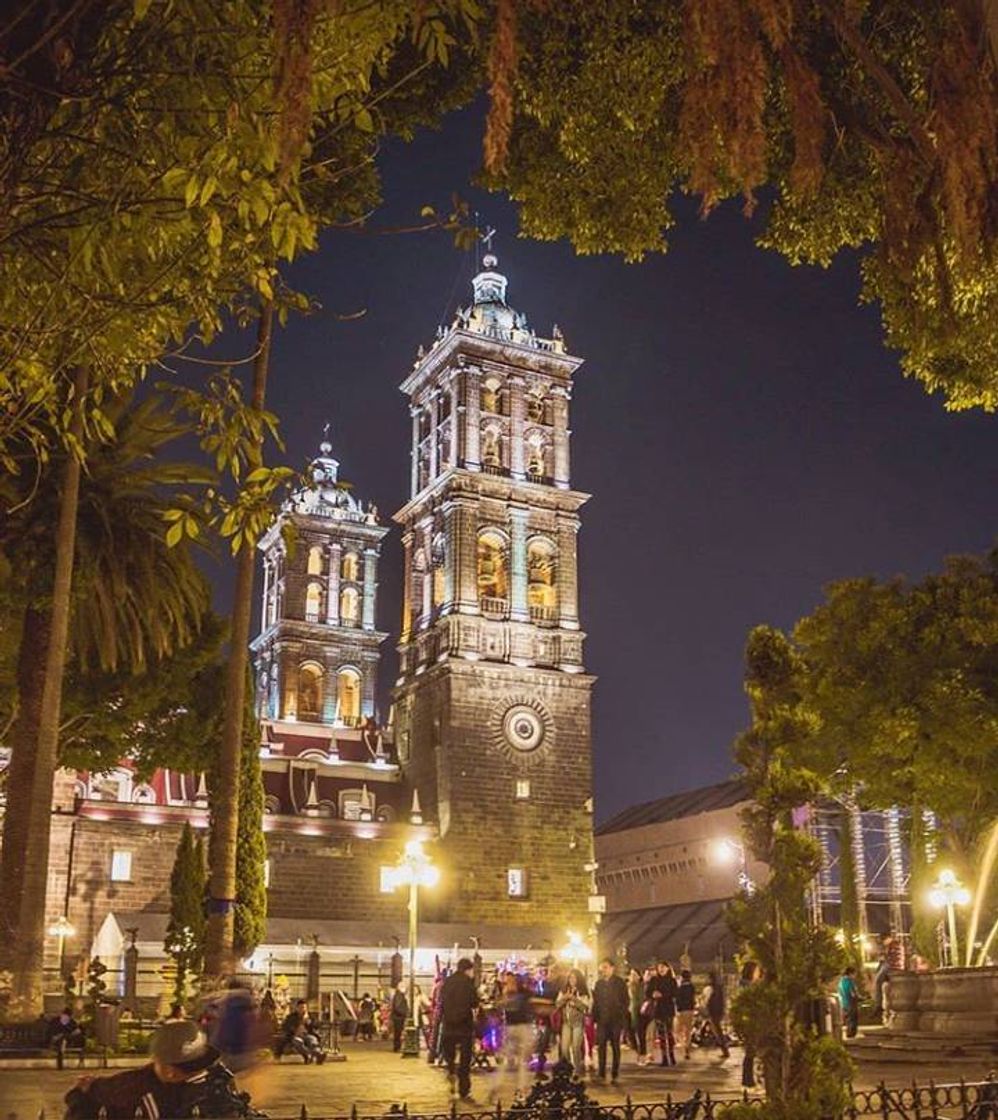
492 705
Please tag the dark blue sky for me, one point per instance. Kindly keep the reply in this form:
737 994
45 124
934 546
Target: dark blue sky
745 436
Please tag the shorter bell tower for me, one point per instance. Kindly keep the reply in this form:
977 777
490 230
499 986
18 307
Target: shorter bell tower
316 657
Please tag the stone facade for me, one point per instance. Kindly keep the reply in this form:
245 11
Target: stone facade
493 703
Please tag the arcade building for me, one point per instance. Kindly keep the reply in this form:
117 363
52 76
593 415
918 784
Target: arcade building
486 755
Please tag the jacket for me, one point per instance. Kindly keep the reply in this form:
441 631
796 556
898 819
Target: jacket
573 1007
610 1000
458 1000
686 996
662 991
134 1093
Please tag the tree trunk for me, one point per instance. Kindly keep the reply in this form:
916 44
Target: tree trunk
31 658
28 951
225 798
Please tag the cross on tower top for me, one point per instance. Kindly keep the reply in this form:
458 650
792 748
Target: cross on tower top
486 238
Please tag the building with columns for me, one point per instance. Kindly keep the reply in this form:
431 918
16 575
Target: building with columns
492 702
317 652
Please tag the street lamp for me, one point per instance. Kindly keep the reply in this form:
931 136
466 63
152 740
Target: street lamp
414 870
62 928
949 892
725 852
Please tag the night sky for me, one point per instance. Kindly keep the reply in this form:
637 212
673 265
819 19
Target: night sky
745 436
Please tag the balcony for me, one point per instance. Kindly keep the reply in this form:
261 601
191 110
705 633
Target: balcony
495 470
544 616
540 479
494 608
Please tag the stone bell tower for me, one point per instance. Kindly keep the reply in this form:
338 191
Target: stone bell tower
492 705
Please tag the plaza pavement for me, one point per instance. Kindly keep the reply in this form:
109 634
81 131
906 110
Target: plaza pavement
374 1078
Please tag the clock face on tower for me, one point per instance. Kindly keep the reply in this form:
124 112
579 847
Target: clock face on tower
522 728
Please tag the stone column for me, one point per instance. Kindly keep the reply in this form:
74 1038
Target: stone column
560 396
333 585
518 516
568 572
472 419
454 430
517 416
464 540
414 468
426 543
289 682
370 587
434 413
406 586
265 616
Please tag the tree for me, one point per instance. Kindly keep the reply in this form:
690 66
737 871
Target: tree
156 168
250 915
136 601
869 127
806 1078
184 940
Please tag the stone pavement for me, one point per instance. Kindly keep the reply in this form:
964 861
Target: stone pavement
373 1078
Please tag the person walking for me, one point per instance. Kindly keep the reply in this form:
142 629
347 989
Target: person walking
398 1014
518 1036
751 974
635 1022
610 1006
714 1006
458 1000
849 999
662 990
573 1004
686 1002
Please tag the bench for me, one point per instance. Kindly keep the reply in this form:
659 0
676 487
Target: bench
31 1040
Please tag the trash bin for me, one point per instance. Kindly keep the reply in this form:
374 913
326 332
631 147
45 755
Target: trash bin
106 1025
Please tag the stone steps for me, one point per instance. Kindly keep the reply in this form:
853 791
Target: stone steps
880 1044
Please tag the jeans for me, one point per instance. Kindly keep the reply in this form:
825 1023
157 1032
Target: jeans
609 1033
851 1016
684 1030
572 1039
450 1043
515 1066
398 1025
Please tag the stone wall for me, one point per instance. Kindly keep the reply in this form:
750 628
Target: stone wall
456 753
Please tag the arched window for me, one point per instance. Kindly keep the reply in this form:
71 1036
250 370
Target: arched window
313 602
349 606
350 567
309 691
348 697
315 561
492 575
542 581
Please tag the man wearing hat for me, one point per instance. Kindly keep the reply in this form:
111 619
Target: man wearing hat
458 1000
169 1086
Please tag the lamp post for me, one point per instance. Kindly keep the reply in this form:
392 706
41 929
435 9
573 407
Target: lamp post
414 870
62 928
725 850
577 950
948 892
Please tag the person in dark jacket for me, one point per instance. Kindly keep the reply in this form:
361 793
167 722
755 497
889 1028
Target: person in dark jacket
458 1000
751 974
398 1013
64 1032
610 1007
686 1002
172 1084
298 1034
661 992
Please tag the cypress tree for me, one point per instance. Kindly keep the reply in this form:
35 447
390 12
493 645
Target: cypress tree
184 940
251 852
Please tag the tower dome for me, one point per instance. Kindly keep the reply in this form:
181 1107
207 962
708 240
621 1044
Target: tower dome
489 313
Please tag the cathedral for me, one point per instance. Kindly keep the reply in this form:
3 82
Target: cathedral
486 753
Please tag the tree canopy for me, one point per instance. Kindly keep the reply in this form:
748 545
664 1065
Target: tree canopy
870 126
